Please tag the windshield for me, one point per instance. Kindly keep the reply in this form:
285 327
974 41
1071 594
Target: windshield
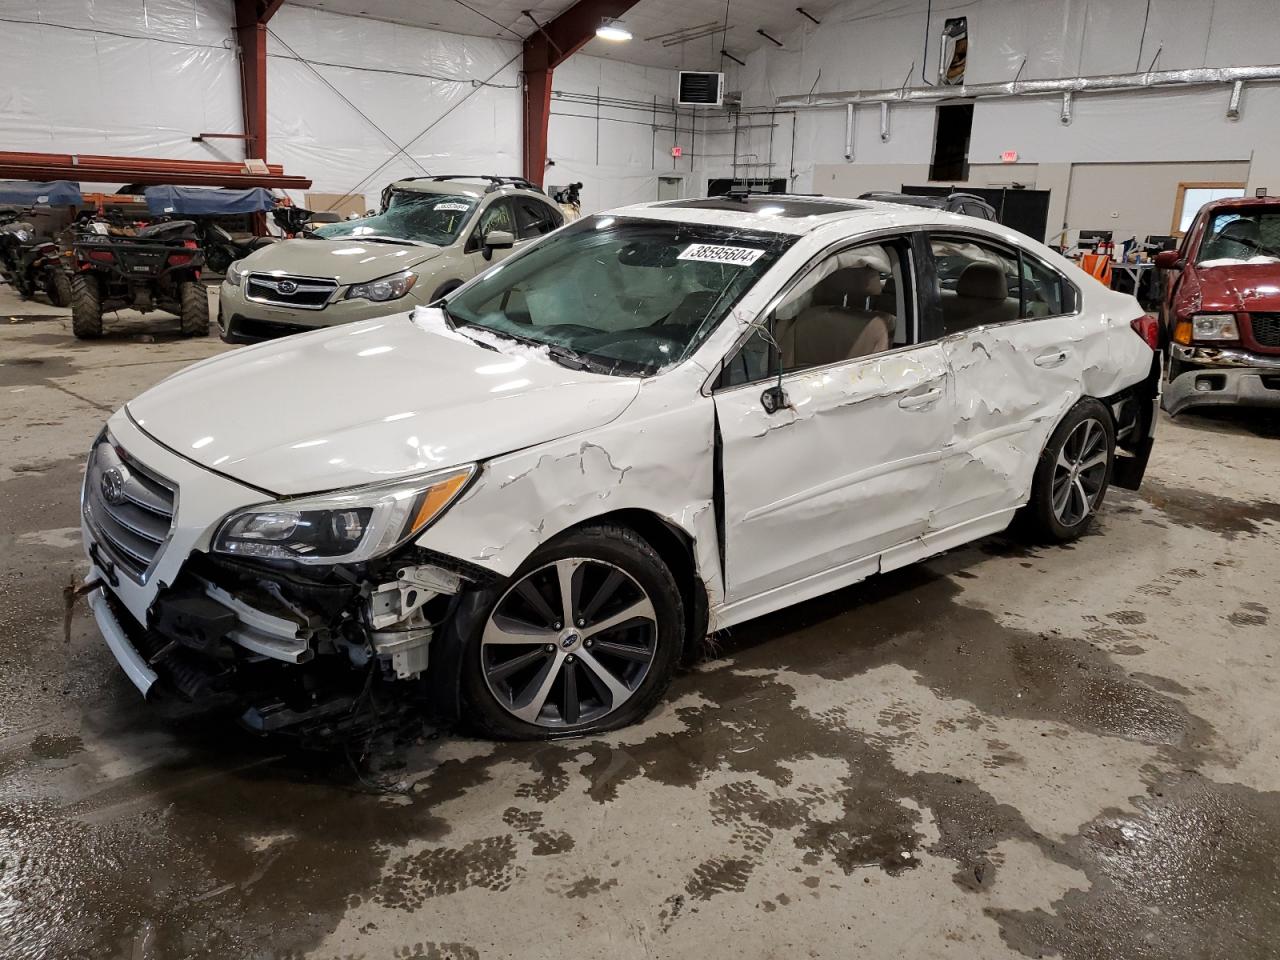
629 296
1241 236
410 217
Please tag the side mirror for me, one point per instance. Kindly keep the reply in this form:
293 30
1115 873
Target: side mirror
1169 260
499 240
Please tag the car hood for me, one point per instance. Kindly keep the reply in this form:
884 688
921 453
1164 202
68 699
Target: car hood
347 260
1239 286
369 402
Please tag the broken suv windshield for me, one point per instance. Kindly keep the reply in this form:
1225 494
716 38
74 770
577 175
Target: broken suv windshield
411 217
633 296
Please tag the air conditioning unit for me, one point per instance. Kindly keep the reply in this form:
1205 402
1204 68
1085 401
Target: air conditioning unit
698 89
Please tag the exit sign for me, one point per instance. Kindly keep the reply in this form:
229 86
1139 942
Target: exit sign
1009 156
677 152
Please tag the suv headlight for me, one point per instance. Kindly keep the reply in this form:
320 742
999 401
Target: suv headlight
349 526
235 273
388 288
1214 326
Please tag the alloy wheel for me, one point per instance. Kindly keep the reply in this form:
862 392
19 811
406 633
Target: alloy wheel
1080 472
569 643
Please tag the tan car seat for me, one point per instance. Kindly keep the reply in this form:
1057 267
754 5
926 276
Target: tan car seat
837 325
982 296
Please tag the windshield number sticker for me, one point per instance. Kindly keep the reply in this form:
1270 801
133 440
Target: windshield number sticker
711 253
460 207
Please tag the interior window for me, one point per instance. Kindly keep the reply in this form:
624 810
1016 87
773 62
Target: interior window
853 304
534 218
1046 292
977 283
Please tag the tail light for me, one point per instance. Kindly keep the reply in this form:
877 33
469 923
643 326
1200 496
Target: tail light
182 259
102 256
1148 328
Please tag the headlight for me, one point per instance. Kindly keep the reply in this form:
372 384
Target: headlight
349 526
235 274
388 288
1214 326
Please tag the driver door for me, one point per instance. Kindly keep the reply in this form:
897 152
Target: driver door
846 463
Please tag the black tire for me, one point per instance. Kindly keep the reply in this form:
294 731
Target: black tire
86 306
59 288
445 289
194 304
1048 517
603 548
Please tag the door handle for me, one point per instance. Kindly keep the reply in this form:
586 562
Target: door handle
917 401
1054 358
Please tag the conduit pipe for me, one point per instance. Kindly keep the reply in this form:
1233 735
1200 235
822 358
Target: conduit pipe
884 121
848 132
1201 76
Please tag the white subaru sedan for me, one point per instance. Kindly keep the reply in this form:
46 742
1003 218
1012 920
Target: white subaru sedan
524 506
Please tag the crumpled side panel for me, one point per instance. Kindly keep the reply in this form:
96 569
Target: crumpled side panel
659 460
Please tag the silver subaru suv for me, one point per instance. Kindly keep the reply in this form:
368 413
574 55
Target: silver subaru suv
431 236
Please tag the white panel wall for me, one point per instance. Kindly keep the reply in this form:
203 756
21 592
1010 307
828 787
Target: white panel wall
374 101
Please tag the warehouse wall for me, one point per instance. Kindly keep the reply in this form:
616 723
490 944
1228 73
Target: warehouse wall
352 102
876 44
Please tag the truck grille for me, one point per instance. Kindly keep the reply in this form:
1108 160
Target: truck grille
301 293
1266 328
128 508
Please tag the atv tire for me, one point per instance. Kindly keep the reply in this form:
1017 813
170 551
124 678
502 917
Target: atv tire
86 307
60 289
194 302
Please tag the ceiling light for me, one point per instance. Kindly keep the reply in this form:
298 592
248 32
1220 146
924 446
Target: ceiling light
613 30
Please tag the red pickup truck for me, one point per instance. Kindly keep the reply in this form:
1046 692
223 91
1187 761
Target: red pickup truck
1221 312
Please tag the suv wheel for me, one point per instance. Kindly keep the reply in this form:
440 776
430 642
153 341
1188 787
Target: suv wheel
583 639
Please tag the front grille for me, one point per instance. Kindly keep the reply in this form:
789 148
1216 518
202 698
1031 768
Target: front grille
128 508
1266 328
302 293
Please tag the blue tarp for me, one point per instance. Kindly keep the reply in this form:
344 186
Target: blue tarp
27 193
207 201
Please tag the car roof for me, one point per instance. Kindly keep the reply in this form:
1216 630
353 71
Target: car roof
1243 202
792 214
469 186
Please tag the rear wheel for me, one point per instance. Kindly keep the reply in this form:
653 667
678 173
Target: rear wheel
584 639
59 289
194 303
1072 476
86 306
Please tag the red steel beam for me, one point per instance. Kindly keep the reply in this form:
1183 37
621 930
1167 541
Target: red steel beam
98 169
544 50
251 32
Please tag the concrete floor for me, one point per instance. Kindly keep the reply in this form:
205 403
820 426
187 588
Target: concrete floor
1005 752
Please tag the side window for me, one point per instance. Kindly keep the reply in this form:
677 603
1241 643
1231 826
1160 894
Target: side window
852 304
1046 293
496 217
977 283
535 218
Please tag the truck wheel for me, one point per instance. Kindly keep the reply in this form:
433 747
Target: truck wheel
195 308
86 306
60 289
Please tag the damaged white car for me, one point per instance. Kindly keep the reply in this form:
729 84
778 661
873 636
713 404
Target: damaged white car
523 507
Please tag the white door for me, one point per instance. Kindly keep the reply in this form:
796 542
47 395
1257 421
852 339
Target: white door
1013 345
849 464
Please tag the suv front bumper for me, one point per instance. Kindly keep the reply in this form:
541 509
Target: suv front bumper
242 320
1214 376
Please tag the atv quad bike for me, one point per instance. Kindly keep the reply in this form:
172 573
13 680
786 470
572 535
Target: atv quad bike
156 267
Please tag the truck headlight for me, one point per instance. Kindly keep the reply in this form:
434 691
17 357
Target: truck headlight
235 273
388 288
1214 326
348 526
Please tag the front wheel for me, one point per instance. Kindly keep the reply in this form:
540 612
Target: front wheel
583 639
194 305
59 288
1072 476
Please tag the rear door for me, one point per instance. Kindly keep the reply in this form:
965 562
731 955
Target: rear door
1014 340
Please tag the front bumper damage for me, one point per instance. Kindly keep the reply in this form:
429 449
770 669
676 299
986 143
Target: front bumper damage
325 651
1214 376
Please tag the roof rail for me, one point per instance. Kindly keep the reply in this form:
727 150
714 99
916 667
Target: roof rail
495 182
